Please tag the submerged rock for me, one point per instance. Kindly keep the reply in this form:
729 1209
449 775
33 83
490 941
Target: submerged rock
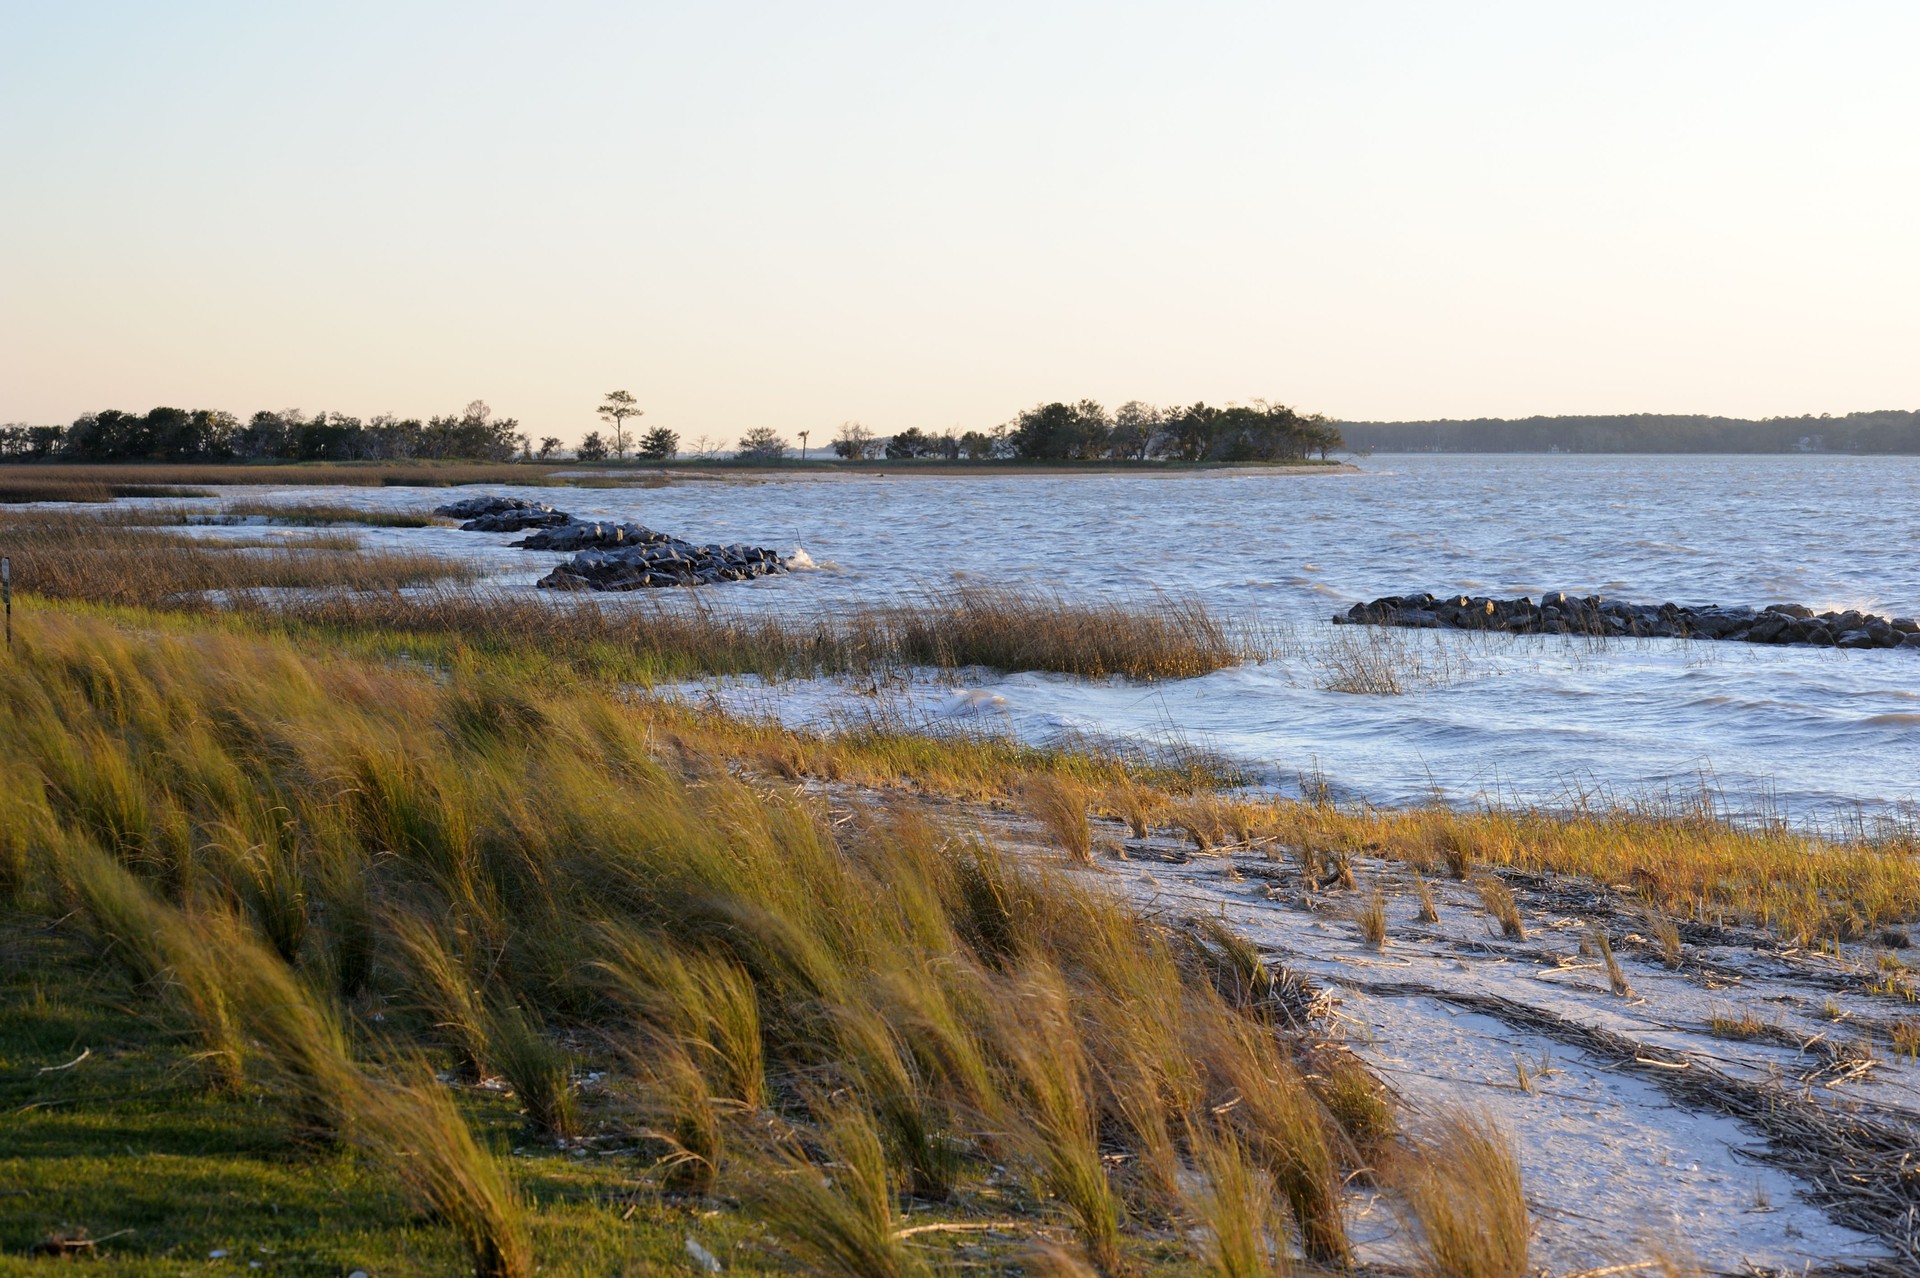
1560 613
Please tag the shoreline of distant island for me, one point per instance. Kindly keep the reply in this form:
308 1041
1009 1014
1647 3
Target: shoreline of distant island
1885 431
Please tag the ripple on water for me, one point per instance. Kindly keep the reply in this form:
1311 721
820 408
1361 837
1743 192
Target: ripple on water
1807 728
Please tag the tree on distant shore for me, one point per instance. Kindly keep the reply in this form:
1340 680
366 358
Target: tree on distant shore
978 446
854 442
911 443
659 444
1061 432
592 448
1134 426
548 447
616 408
762 443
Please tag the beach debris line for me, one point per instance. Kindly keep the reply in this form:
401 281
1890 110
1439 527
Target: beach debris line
1564 614
612 556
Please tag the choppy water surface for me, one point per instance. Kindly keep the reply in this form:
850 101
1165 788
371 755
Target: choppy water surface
1818 734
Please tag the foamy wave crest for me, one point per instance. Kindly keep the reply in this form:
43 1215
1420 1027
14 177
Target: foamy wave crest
972 701
798 559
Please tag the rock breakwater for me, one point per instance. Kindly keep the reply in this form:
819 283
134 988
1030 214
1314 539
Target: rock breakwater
1565 614
612 556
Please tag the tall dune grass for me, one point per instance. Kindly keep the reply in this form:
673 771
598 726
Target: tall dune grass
917 1014
1464 1196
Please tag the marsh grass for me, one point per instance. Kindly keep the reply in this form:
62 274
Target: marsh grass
269 1025
422 1137
74 557
839 1212
1381 661
1465 1202
447 851
103 482
1498 899
1747 1025
1681 860
1246 1237
1061 809
538 1069
1616 979
1137 805
280 514
1427 912
1666 935
754 962
1371 919
318 587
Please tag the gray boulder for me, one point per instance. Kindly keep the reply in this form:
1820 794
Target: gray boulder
518 520
475 507
581 534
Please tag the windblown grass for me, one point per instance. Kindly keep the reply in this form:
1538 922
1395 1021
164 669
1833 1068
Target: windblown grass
284 514
1464 1196
332 868
1371 918
18 489
107 481
1679 861
1498 899
646 639
1383 662
319 590
59 555
1061 808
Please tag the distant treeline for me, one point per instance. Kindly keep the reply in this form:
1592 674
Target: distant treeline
1078 432
1136 431
204 435
1887 431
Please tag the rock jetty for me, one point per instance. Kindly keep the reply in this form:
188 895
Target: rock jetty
1564 614
502 514
611 556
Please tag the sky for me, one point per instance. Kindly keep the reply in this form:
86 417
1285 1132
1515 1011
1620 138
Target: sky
935 215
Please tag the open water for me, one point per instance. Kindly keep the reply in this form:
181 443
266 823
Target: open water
1816 735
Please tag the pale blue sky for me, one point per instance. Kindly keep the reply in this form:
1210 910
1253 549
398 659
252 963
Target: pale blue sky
935 215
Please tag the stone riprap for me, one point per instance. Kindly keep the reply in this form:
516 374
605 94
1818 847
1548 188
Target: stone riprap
668 563
584 535
612 556
502 514
1564 614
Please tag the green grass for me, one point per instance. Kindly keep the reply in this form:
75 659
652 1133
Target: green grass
265 872
267 884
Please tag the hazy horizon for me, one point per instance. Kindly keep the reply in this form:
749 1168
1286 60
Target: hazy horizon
753 215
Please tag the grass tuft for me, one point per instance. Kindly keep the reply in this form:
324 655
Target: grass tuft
1061 808
1427 912
539 1071
1499 901
1463 1197
837 1214
1372 920
1616 979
